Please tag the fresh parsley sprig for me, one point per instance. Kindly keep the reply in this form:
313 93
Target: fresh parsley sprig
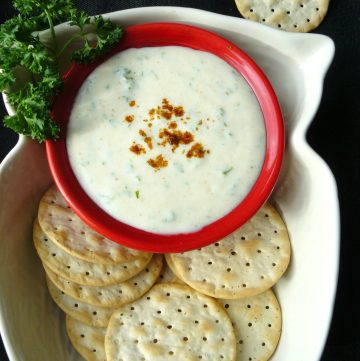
23 52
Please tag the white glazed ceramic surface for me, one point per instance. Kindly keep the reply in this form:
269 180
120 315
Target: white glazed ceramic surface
31 325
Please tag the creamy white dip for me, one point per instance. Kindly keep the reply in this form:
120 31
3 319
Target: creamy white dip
166 139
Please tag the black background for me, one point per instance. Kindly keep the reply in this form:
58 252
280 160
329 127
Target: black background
334 134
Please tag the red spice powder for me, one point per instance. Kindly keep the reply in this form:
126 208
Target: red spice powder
130 118
196 151
158 162
137 149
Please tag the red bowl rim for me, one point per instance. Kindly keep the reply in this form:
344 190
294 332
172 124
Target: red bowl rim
165 34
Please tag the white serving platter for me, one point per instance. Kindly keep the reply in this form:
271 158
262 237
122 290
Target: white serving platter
32 327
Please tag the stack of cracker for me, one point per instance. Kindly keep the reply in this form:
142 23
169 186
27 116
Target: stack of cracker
214 303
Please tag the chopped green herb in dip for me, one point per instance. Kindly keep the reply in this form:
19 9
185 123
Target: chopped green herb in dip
179 124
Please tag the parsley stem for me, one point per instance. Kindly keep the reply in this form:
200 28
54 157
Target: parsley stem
52 30
68 43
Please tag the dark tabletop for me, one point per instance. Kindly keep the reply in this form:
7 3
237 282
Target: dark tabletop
334 134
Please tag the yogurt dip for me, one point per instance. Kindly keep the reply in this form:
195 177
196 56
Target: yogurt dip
166 139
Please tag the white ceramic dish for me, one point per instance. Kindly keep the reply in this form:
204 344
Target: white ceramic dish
32 327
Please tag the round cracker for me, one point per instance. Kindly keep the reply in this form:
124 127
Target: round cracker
257 324
170 322
87 340
80 271
70 233
167 275
295 15
91 315
111 295
247 262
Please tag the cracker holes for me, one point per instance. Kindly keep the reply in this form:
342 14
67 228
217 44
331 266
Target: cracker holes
135 283
146 270
171 353
199 357
68 267
262 277
251 10
185 339
228 270
94 313
243 238
142 323
120 291
204 280
70 220
188 297
263 344
248 306
167 294
249 324
53 254
205 305
180 310
158 312
273 264
272 10
82 233
226 305
259 251
45 239
155 340
169 327
247 264
217 244
275 231
244 285
82 335
233 253
76 305
317 9
204 339
196 321
87 273
125 267
148 298
108 273
210 263
301 5
241 342
267 307
99 293
223 286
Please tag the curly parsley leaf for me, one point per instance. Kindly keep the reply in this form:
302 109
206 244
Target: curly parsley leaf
105 32
21 51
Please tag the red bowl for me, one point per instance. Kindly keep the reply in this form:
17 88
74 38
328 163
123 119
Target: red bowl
163 34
